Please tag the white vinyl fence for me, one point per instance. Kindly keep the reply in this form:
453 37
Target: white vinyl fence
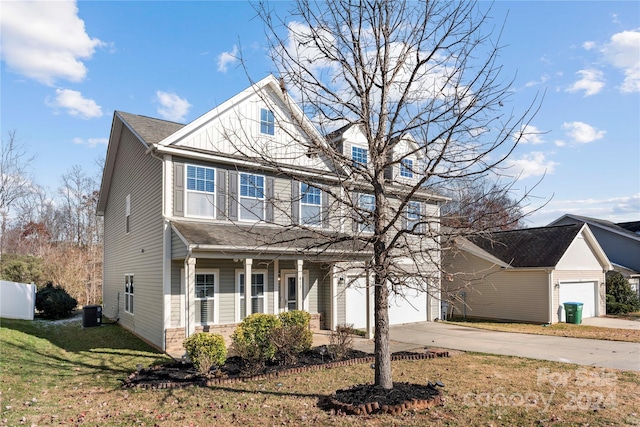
17 300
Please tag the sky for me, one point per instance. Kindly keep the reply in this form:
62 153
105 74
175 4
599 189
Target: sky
66 66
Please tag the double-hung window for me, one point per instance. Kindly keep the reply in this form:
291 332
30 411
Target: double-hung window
359 157
366 206
413 216
252 200
201 191
258 287
267 122
205 297
406 168
128 293
310 205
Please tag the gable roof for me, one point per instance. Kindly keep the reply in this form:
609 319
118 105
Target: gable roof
599 223
529 247
147 130
633 226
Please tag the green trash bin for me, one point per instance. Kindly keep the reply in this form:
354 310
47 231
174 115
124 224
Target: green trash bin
573 312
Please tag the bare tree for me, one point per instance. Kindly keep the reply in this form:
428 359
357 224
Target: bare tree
14 178
419 80
479 205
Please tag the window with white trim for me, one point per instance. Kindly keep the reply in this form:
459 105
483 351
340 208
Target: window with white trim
267 122
128 293
252 201
258 288
310 205
366 205
413 216
206 290
201 191
359 157
406 168
127 214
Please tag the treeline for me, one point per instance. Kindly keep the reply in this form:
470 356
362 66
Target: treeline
49 236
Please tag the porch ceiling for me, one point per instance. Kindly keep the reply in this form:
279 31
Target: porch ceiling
256 240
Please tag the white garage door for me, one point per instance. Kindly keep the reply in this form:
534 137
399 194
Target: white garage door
412 308
584 292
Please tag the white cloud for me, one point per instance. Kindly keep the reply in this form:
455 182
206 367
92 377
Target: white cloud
588 45
75 104
591 82
623 52
543 79
529 134
581 132
45 40
172 107
532 164
228 58
91 142
614 209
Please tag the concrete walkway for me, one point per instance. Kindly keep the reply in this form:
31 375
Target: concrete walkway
609 322
600 353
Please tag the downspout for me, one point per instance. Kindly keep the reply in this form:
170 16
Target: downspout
550 290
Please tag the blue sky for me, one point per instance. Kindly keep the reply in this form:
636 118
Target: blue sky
67 66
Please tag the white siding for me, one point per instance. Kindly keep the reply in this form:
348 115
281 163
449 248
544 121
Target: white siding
579 256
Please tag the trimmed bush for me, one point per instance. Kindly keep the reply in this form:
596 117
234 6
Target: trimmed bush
206 351
295 317
296 330
252 339
54 302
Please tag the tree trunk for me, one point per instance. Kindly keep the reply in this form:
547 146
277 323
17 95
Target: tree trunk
383 377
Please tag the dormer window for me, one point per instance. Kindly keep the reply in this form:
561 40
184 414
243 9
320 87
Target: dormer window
406 168
267 122
359 157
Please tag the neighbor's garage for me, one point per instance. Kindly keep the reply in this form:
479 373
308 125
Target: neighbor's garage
411 308
584 292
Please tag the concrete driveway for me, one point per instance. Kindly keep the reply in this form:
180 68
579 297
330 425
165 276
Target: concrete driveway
606 354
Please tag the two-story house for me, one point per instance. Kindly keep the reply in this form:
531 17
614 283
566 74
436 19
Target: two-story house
226 216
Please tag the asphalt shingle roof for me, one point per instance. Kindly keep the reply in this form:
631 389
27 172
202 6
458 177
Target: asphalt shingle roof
529 247
149 129
271 239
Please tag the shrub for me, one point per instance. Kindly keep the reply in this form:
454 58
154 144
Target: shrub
54 302
341 342
621 298
252 339
293 337
206 351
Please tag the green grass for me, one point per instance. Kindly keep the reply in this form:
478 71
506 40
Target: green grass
57 373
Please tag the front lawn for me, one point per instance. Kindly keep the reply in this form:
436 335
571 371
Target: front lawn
59 373
557 329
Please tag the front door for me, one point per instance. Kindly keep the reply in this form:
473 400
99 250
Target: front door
291 290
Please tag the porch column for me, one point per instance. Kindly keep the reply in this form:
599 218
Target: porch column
247 286
276 287
299 290
333 299
190 293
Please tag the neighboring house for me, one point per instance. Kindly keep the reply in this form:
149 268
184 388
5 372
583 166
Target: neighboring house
198 233
621 243
526 275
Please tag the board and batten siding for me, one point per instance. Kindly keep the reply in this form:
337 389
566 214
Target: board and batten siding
140 251
494 293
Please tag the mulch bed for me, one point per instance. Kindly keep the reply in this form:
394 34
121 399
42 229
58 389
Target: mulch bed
360 399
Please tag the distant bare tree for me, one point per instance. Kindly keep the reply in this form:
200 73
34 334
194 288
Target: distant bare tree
419 79
15 182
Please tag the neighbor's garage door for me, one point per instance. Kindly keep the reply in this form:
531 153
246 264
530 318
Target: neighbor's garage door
413 308
584 292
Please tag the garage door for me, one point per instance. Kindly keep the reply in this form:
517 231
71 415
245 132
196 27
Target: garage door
584 292
412 308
